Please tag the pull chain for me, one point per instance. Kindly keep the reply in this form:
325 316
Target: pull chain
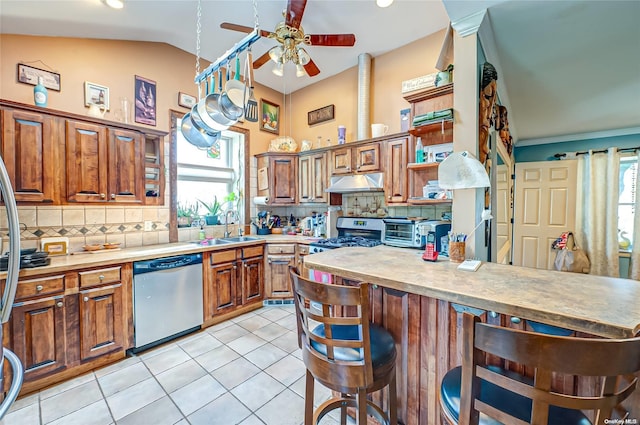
255 13
198 30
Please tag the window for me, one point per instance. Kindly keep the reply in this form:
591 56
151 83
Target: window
627 197
205 173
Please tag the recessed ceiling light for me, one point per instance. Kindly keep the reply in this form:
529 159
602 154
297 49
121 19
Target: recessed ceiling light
384 3
116 4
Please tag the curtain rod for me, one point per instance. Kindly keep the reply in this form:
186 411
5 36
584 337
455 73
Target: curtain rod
561 155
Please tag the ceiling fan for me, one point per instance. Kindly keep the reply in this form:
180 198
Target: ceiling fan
291 37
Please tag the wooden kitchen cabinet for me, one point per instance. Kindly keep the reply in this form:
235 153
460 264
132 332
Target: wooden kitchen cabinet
312 170
279 258
278 177
364 158
252 274
396 179
31 151
126 159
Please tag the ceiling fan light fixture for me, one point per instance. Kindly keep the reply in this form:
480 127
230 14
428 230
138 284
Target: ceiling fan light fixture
276 54
278 69
303 56
384 3
300 72
115 4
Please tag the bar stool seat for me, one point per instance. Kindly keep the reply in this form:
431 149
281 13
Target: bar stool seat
344 352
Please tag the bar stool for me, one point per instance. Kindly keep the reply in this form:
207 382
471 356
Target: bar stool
478 394
345 354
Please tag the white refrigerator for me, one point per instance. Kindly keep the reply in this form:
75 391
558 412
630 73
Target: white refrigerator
11 283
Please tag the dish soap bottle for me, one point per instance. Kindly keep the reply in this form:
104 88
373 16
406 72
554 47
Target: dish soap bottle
419 151
40 93
202 235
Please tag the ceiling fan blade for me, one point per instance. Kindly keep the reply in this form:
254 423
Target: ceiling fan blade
311 68
295 10
261 60
242 28
332 39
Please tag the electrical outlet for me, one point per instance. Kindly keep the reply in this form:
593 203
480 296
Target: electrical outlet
148 225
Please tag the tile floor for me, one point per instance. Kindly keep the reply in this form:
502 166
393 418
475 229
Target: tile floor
247 370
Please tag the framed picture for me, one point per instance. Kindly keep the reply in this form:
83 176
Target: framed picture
29 75
186 100
95 94
270 117
321 115
145 107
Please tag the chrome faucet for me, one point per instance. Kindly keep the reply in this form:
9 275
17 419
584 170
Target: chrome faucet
227 233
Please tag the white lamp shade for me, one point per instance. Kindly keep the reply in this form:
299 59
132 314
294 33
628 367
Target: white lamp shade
278 69
461 170
384 3
276 54
303 56
300 72
116 4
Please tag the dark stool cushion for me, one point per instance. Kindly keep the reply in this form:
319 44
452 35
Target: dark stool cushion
548 329
383 347
502 399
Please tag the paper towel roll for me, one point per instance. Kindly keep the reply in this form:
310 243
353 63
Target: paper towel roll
260 200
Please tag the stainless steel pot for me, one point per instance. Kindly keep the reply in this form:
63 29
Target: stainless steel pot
210 112
196 135
227 107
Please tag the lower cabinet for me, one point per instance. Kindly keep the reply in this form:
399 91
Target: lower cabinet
279 258
233 282
101 328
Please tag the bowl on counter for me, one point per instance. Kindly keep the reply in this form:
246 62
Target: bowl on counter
112 245
94 247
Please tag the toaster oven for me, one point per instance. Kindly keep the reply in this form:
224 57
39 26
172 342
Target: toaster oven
402 232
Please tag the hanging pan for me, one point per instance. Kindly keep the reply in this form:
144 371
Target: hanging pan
194 130
236 89
209 110
228 108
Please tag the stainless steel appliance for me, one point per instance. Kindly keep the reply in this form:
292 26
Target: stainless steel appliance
352 231
167 299
9 293
405 232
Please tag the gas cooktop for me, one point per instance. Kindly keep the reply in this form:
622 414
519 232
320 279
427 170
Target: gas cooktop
342 241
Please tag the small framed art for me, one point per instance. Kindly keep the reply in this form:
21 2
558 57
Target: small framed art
95 94
145 106
270 117
186 100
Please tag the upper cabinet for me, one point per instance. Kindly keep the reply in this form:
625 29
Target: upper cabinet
312 169
58 158
364 158
395 178
278 177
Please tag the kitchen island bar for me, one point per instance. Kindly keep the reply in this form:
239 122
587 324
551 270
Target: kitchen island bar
421 304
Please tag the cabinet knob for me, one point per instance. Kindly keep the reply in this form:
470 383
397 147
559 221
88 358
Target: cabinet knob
292 198
246 265
101 277
269 261
493 314
59 304
39 288
113 196
86 299
516 320
103 196
389 196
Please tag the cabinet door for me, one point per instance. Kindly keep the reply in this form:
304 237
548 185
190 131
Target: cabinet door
278 275
126 179
395 187
305 177
86 162
341 161
252 280
367 158
101 321
225 294
30 150
38 336
319 177
284 179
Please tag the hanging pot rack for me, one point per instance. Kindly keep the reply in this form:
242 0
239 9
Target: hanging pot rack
230 54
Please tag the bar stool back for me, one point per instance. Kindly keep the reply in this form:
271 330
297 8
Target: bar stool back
475 393
346 354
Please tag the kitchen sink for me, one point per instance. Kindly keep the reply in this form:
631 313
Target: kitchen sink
240 239
211 242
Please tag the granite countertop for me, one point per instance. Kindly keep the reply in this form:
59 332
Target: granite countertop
61 264
597 305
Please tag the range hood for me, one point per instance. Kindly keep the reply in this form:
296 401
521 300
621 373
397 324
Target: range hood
356 183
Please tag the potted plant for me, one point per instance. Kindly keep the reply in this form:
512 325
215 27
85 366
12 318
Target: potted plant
213 209
186 212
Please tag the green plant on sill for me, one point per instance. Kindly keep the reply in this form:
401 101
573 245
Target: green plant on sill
213 208
187 210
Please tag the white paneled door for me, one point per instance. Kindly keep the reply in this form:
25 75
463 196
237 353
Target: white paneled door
545 206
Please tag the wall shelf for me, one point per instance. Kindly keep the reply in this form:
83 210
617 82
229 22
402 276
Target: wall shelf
423 201
422 165
442 125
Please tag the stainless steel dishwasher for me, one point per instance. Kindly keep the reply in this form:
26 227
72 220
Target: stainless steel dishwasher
167 299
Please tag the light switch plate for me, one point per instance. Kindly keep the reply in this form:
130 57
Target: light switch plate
148 225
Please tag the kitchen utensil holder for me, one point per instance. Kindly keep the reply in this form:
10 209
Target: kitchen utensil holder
457 251
265 231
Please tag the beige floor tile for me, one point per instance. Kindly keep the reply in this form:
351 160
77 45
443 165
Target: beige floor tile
235 373
122 364
270 332
161 412
94 414
67 385
216 358
287 408
287 370
244 316
254 322
265 355
69 401
320 392
23 402
274 313
257 390
230 333
166 360
219 326
246 343
199 344
181 375
225 410
135 397
147 354
123 378
252 420
197 394
288 322
288 342
27 415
